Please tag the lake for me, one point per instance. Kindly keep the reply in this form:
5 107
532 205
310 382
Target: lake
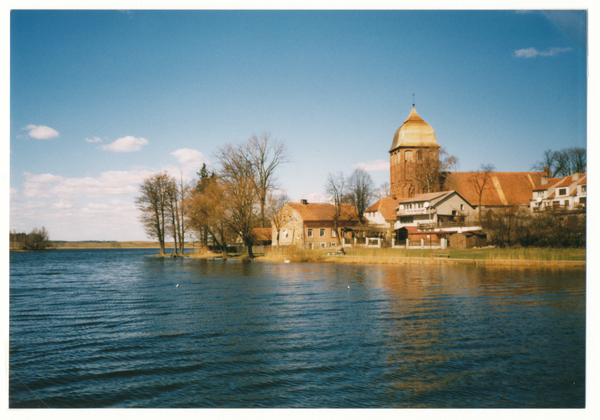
109 328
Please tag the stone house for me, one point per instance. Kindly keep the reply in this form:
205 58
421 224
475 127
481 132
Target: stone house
311 225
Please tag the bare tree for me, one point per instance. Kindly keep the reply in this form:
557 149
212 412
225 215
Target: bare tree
383 190
242 193
564 162
360 191
578 160
480 182
336 188
431 171
275 207
547 164
265 155
153 204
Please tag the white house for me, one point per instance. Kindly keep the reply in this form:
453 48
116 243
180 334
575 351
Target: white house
566 193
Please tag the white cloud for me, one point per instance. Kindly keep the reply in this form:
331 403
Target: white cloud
41 132
190 160
126 144
376 165
112 183
93 140
62 204
532 52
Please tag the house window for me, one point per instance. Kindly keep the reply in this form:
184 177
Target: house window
321 232
583 188
310 233
323 244
566 203
462 206
408 219
284 233
453 212
541 193
333 234
582 200
333 244
562 191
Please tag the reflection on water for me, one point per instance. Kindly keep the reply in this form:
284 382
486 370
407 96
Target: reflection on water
110 329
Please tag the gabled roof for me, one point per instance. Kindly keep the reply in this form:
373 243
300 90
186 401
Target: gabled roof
424 197
386 206
502 188
323 211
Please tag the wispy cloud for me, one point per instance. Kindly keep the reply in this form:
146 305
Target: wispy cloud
533 52
112 183
376 165
93 140
41 132
126 144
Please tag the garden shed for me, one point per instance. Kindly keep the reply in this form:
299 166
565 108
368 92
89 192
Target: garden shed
467 240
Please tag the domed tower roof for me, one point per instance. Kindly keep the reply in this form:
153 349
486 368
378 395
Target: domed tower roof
415 132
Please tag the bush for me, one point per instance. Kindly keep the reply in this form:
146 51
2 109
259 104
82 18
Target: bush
37 240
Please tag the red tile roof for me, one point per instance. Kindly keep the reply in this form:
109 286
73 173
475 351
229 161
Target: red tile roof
563 182
386 206
502 189
323 211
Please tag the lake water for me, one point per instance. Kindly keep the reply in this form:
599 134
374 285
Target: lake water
109 328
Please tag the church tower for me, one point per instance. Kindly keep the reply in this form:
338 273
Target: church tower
414 153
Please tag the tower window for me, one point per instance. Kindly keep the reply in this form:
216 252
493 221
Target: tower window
408 155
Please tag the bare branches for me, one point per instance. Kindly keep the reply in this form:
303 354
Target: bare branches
153 204
563 162
360 191
480 181
383 191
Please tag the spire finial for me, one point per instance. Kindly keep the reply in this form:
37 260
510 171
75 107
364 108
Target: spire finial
413 100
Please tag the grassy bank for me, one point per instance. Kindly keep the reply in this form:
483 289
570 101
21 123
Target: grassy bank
487 256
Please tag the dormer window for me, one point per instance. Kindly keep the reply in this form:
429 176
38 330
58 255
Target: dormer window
562 191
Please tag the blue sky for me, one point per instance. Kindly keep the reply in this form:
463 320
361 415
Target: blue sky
101 99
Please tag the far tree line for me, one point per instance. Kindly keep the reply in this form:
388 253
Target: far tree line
36 240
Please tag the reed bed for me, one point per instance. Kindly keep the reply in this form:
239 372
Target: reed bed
293 254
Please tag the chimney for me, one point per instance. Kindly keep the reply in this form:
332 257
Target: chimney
544 180
547 171
304 202
575 177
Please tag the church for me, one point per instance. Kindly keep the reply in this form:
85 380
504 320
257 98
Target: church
414 169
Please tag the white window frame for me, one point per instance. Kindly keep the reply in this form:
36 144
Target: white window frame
563 193
309 233
333 233
322 233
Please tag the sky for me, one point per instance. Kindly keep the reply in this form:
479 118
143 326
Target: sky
100 100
